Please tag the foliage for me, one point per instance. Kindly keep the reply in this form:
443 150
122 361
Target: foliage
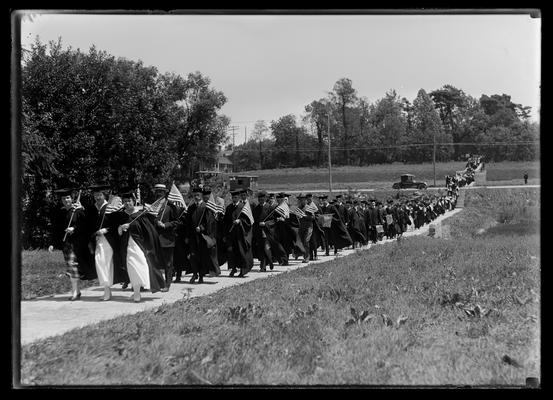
393 129
90 117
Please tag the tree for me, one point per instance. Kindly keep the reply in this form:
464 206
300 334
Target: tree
343 96
90 117
317 113
426 127
257 135
389 124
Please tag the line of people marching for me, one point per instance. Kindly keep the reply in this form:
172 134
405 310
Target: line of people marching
118 241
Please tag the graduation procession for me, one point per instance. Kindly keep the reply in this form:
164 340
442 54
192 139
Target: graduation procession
118 239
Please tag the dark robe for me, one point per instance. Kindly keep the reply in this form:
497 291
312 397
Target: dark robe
261 243
318 236
78 240
294 242
354 226
144 233
181 262
169 215
339 233
203 244
239 242
98 220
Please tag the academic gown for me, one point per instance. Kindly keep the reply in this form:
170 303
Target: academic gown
78 240
143 232
182 249
203 244
98 219
339 233
240 254
260 233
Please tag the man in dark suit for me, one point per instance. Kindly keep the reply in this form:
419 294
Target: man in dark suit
167 221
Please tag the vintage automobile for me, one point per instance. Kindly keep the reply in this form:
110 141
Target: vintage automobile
243 182
407 182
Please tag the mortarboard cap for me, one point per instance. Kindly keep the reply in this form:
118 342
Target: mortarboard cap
261 193
64 192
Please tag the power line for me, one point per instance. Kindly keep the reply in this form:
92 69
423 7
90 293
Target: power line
283 149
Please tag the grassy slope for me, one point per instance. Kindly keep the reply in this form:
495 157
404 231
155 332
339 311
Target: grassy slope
40 274
375 176
296 332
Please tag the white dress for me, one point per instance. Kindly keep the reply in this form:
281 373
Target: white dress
103 258
137 266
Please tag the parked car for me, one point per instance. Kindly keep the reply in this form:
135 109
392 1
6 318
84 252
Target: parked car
407 182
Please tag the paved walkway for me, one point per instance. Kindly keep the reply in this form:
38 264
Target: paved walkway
54 315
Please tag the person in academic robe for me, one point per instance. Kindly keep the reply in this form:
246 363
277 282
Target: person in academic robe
277 231
261 242
317 238
141 251
219 216
70 235
354 226
166 222
181 255
239 237
296 233
104 240
202 233
339 233
305 226
324 208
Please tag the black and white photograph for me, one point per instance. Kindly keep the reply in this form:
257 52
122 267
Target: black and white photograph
276 198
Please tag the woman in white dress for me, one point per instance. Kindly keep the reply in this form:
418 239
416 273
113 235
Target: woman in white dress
140 248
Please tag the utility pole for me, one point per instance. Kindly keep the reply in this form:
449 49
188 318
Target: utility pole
245 134
233 129
329 161
434 158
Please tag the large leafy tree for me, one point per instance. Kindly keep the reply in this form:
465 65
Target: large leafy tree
344 96
426 128
89 117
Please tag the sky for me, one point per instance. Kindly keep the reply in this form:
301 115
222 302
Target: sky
269 66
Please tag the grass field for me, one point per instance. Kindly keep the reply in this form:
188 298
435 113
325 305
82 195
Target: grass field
383 175
40 274
471 306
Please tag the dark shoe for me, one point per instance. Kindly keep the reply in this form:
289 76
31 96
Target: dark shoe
201 280
177 280
142 289
125 285
193 279
233 272
326 254
304 261
77 297
271 266
241 275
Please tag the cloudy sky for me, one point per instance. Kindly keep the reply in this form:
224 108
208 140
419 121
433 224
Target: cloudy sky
272 65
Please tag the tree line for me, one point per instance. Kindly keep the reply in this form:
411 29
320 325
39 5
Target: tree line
91 117
392 129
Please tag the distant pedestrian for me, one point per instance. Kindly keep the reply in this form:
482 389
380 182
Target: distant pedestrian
525 178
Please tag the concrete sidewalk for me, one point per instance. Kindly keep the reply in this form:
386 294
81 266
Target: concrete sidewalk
54 315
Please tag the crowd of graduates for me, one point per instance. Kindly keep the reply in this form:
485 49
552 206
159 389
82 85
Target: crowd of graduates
474 164
117 240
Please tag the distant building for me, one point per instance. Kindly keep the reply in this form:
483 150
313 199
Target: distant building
223 164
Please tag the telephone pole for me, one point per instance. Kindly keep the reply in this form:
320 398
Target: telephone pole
234 127
434 158
329 161
245 134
